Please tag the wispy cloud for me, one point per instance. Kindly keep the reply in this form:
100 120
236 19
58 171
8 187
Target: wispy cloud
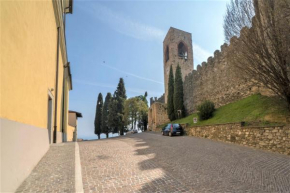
134 75
127 26
105 85
200 55
93 83
124 24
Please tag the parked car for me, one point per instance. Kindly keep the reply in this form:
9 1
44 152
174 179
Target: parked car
172 129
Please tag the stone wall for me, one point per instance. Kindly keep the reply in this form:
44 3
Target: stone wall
274 138
216 80
219 81
157 115
159 100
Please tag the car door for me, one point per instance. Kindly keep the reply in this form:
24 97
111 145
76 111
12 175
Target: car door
167 129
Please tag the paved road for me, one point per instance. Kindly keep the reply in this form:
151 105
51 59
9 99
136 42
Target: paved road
149 162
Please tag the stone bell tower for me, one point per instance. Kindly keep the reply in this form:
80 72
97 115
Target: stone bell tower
177 49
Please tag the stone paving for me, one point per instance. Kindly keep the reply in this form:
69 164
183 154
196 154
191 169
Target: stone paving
54 173
149 162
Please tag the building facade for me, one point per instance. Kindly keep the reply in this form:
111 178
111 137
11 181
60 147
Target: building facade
35 84
72 127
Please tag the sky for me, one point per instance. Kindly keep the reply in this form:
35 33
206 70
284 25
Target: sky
107 40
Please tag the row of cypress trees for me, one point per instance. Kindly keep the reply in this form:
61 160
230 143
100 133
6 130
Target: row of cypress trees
175 106
109 115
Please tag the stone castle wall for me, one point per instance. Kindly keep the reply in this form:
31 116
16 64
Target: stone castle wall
274 138
159 100
216 80
157 115
219 81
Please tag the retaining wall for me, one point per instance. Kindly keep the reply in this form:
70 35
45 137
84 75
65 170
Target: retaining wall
273 138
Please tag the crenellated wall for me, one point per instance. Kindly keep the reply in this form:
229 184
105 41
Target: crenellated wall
159 100
218 80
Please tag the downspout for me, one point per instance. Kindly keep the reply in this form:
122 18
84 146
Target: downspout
64 102
56 86
63 106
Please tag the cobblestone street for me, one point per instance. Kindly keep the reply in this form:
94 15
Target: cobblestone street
149 162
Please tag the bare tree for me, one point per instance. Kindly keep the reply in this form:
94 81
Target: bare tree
262 53
239 14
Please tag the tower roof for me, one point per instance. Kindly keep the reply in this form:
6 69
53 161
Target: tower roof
173 30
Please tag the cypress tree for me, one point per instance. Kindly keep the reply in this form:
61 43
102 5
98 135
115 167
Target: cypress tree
105 126
120 99
112 116
145 115
178 94
98 117
170 103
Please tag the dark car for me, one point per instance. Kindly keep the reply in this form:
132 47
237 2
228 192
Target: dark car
172 129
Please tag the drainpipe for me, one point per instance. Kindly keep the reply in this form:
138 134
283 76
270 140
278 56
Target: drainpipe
56 86
64 105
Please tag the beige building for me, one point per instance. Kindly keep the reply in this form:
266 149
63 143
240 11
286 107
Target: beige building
35 84
72 127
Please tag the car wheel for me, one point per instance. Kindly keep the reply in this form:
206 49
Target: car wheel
170 134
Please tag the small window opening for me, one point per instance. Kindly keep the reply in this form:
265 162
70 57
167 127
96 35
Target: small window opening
182 51
167 54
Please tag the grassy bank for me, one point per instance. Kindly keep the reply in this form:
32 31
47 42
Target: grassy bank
256 108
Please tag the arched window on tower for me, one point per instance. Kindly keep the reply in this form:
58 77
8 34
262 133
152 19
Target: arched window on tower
182 50
166 54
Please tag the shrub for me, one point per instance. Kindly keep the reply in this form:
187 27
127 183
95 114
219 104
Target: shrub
206 110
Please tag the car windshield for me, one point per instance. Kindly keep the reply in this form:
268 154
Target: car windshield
176 126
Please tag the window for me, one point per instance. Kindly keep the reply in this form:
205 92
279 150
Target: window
166 54
176 126
168 126
182 50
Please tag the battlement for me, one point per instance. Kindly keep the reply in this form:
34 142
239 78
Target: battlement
215 60
159 100
216 79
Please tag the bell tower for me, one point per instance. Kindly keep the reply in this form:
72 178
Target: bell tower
177 49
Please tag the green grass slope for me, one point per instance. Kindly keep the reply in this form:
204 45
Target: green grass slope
259 109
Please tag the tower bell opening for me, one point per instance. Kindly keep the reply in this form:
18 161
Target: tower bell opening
182 50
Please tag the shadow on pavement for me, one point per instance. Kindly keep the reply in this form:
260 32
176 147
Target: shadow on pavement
189 164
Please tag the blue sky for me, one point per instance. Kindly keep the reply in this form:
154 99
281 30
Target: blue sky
107 40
